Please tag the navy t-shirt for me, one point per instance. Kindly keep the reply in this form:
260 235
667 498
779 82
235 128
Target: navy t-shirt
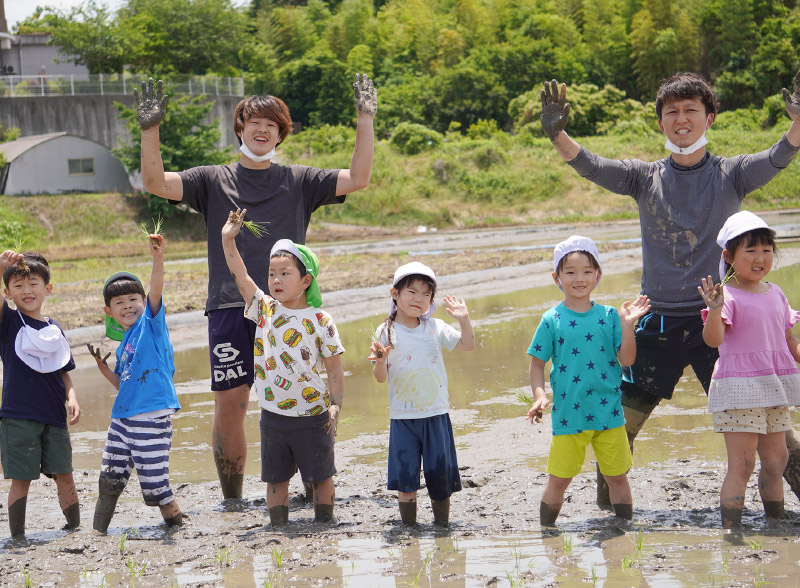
28 394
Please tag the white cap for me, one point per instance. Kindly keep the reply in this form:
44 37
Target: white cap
574 243
410 269
737 224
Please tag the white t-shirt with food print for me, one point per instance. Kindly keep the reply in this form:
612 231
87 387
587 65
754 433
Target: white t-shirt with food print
289 349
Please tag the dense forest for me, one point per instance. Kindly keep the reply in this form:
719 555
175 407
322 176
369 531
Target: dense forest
447 64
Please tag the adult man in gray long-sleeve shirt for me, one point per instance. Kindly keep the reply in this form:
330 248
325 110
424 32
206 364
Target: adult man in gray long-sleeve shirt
683 201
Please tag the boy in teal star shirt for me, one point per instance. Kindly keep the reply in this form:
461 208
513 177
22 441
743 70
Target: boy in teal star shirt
588 344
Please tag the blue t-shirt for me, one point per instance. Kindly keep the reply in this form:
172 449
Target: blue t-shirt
586 375
28 394
145 366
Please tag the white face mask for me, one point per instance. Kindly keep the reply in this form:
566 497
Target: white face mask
43 350
252 156
701 142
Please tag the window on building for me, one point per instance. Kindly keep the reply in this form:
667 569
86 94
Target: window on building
81 167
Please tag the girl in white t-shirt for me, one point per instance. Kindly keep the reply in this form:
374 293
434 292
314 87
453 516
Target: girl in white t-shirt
420 431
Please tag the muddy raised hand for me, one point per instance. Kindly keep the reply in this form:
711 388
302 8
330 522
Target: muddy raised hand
365 95
555 110
792 100
151 106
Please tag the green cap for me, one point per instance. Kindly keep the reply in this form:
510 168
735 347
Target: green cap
311 263
114 330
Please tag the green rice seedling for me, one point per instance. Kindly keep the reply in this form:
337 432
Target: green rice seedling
524 397
415 581
756 543
514 581
26 577
271 581
639 540
134 569
145 231
258 229
730 275
724 560
515 552
760 579
428 557
454 545
568 543
224 556
277 556
594 576
350 420
629 559
123 538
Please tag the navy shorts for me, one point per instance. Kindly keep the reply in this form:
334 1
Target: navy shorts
230 348
292 443
665 346
428 441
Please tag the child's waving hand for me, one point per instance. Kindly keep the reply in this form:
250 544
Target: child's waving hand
631 311
235 219
456 308
9 258
713 296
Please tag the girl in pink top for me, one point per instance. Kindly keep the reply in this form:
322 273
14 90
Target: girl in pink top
755 379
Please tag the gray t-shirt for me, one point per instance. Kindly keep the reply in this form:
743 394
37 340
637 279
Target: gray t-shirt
282 196
681 211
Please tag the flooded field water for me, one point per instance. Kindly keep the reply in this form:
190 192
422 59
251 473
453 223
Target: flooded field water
576 554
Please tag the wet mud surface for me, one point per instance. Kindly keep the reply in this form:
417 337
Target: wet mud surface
230 543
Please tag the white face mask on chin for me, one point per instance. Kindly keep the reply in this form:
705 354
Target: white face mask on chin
701 142
252 156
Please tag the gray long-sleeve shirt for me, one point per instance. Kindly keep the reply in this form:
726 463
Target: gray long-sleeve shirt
681 211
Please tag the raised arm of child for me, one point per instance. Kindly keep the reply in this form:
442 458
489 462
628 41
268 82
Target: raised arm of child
335 371
7 259
247 287
540 402
73 410
156 273
458 310
629 313
714 327
102 365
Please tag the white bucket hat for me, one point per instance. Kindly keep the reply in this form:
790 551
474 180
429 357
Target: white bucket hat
43 350
737 224
410 269
574 243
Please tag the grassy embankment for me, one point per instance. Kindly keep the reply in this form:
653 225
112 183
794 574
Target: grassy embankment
461 184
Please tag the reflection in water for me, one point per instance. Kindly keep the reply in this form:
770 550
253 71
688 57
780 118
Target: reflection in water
504 324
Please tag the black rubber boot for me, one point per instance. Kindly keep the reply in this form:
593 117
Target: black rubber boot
408 512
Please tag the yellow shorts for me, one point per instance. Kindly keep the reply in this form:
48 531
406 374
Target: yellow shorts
567 452
772 419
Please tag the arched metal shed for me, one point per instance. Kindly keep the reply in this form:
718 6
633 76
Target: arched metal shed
58 163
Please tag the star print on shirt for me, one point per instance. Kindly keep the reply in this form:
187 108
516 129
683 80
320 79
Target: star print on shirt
589 336
563 396
603 376
564 422
575 351
562 368
576 406
573 324
590 365
612 363
590 418
561 340
537 347
589 391
576 379
603 401
601 322
615 412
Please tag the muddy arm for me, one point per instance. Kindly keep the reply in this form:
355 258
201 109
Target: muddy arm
357 177
73 410
156 243
151 107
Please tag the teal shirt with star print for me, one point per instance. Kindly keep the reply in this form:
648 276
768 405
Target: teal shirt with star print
586 375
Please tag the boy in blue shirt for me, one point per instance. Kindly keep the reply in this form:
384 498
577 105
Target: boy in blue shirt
588 343
140 434
38 395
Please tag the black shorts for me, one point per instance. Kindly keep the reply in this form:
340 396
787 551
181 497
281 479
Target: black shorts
230 348
292 443
665 345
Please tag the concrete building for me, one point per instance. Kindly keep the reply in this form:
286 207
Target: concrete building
30 55
57 163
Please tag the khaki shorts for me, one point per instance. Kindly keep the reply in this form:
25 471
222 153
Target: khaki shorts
772 419
30 447
567 452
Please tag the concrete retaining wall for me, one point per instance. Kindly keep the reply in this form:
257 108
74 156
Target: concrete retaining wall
94 117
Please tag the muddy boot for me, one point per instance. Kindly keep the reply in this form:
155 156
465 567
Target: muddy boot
106 503
230 484
16 517
441 512
623 511
279 515
603 497
792 472
73 515
731 517
548 514
773 509
323 513
174 521
408 512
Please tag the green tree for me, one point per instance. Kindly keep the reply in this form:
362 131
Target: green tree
185 141
317 90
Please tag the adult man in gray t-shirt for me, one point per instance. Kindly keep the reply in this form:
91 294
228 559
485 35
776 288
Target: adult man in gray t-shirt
683 202
282 196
